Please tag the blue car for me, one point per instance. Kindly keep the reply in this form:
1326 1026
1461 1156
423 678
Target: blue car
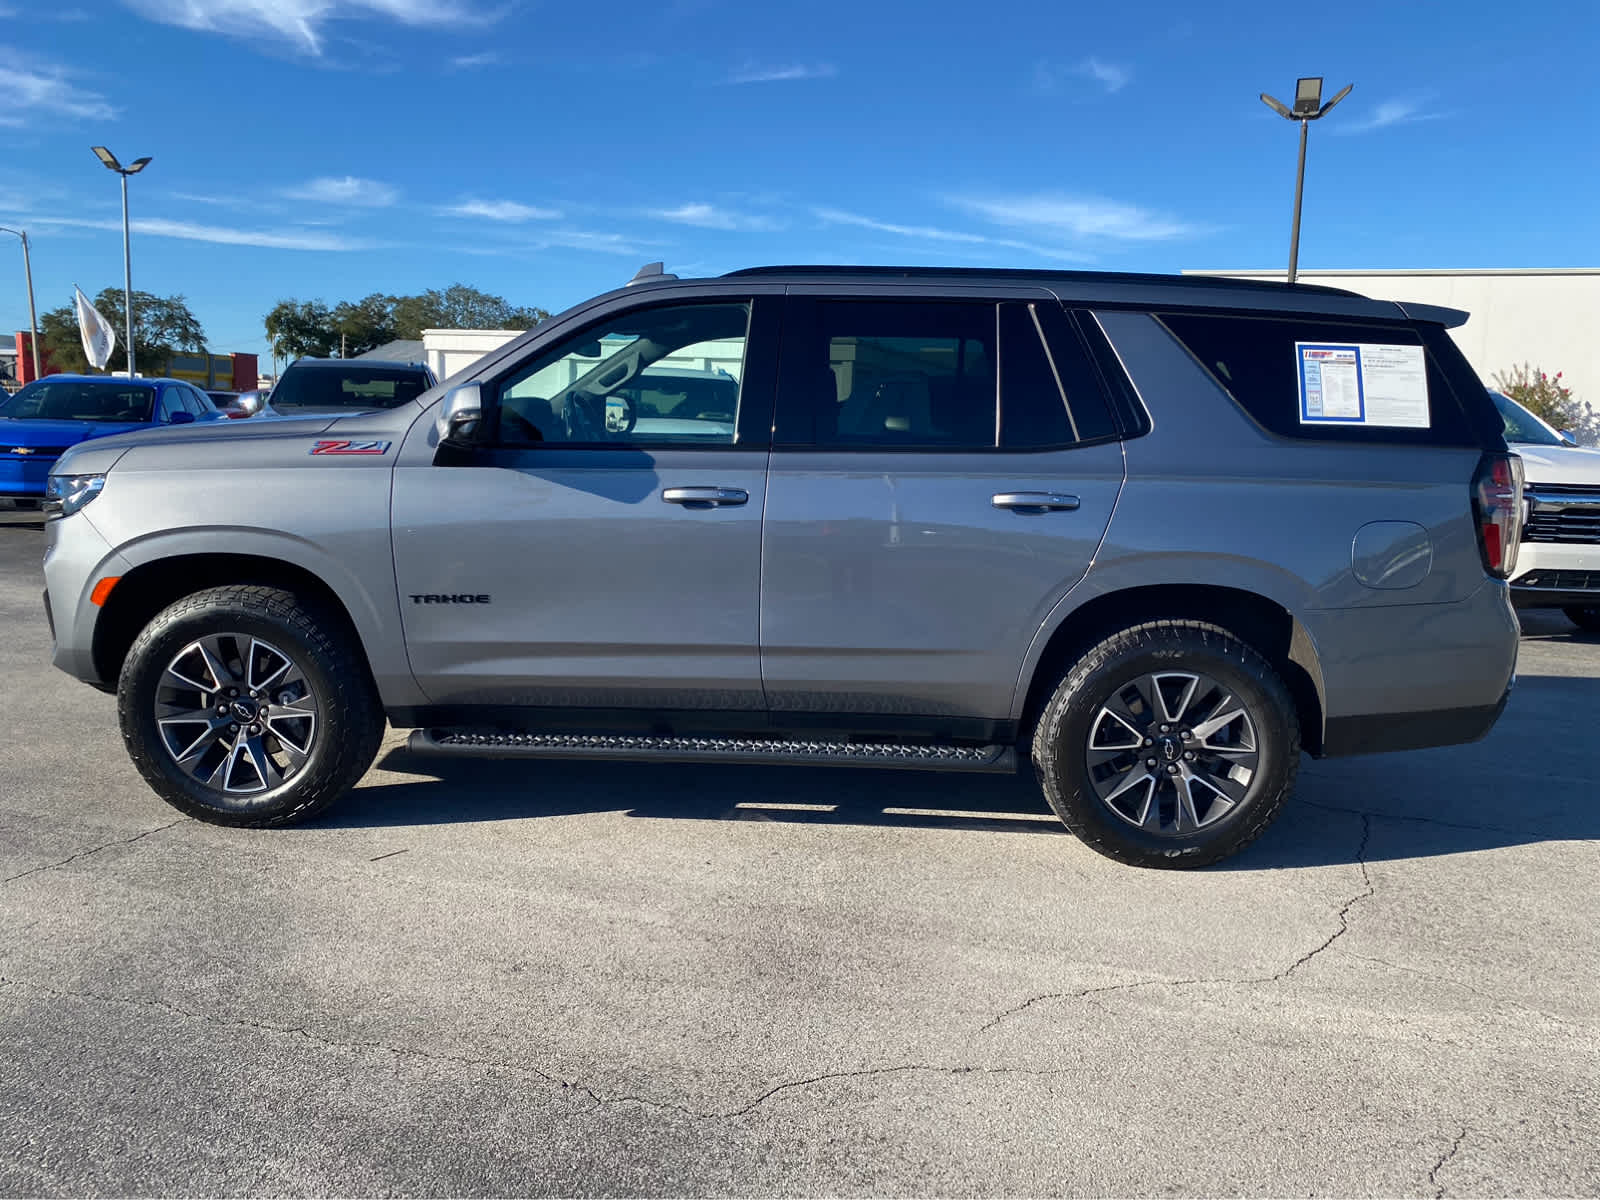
41 421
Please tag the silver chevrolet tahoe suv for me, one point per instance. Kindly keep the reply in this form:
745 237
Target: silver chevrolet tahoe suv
1158 535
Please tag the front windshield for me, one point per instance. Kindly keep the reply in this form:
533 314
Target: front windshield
80 400
348 388
1522 426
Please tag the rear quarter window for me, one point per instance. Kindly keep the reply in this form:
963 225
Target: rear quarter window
1255 360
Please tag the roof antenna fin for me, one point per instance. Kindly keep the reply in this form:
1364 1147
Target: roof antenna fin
651 272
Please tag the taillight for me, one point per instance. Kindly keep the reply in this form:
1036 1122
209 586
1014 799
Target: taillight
1497 508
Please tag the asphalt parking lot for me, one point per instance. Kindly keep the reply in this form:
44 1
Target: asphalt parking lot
587 979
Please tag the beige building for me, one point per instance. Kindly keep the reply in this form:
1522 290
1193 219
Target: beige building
1547 317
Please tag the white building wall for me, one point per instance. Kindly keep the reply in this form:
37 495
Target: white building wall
447 351
1548 318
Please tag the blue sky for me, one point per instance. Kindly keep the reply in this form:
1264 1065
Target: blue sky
543 151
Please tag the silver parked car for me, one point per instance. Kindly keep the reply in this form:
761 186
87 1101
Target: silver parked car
1158 534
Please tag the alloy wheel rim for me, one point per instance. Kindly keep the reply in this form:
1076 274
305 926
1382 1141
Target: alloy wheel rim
1172 752
236 714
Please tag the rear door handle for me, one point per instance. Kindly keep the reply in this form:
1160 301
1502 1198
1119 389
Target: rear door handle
705 497
1035 502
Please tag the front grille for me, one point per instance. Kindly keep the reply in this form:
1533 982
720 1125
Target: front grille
1563 514
1560 581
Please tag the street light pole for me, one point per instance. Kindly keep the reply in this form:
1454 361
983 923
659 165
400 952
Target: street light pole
127 268
109 160
27 273
1308 107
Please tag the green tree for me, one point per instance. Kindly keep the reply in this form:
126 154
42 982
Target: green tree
459 307
162 327
297 328
1546 397
363 325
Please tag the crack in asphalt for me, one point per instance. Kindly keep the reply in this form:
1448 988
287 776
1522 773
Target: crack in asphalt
72 858
1367 889
1444 1159
599 1099
1467 987
1365 893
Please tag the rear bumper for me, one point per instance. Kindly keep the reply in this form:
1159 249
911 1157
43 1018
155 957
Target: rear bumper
1380 734
1410 676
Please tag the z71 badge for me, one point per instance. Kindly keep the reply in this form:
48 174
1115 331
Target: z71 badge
349 447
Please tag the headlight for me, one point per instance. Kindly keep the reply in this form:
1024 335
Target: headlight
66 494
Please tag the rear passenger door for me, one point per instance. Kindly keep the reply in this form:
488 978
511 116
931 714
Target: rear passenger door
942 473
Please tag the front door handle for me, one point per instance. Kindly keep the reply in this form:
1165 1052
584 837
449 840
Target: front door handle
705 497
1035 502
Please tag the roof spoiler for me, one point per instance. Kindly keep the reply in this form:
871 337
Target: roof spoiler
1450 318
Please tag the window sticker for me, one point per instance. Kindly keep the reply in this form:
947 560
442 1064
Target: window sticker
1362 384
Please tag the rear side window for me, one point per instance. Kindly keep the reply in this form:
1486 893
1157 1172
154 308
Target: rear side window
1261 363
1050 394
894 375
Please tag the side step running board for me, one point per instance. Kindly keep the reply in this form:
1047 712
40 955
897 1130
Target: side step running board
639 747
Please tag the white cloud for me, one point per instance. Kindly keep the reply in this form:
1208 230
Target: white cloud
709 216
1109 75
358 193
1050 77
271 239
930 233
499 210
47 90
1078 217
1390 112
751 73
466 62
300 23
834 216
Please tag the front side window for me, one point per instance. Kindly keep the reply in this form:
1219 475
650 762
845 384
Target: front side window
80 400
658 376
892 374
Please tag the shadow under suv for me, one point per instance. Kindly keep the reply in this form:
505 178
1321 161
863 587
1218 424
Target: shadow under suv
1157 534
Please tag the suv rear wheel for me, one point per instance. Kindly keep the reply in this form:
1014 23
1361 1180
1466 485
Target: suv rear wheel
243 705
1170 744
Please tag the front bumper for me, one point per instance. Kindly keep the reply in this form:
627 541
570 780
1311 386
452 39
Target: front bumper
22 478
76 558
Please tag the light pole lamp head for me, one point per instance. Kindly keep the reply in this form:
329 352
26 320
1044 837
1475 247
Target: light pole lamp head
1323 111
1277 106
1307 96
107 158
138 165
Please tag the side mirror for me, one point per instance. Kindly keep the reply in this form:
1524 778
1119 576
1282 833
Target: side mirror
1568 437
250 403
181 418
460 413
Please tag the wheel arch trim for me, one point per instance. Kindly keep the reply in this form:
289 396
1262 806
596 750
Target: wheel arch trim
1254 602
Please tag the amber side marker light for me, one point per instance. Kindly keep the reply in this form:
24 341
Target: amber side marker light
102 590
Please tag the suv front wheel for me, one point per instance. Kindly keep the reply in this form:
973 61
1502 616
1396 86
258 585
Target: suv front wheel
1170 744
243 705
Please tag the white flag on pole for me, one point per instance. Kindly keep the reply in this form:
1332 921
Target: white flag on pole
99 340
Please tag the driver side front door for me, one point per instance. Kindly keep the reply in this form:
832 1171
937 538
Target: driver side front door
602 549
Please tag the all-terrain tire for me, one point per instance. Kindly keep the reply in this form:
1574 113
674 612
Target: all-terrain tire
1165 649
349 718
